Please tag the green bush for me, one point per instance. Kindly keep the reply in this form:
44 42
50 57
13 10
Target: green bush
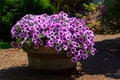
69 6
12 10
5 45
112 16
93 17
102 18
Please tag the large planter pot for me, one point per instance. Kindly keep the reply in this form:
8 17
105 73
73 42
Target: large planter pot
49 59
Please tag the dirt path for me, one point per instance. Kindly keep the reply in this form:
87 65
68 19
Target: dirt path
105 65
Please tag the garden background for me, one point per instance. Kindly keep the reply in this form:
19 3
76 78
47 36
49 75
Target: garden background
101 16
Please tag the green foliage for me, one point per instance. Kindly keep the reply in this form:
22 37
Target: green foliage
5 45
91 6
12 10
102 18
112 16
92 16
70 6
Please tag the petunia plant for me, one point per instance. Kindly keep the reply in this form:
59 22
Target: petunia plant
58 31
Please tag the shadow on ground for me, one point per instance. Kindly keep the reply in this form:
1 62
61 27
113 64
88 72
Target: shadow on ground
106 61
26 73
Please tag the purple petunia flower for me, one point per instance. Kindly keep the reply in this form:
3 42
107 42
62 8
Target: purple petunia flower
80 51
74 59
75 44
73 50
58 31
50 43
21 35
36 46
65 47
79 56
85 56
13 44
40 42
58 48
69 54
85 46
93 51
19 45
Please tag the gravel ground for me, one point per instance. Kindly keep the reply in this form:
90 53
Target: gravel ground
105 65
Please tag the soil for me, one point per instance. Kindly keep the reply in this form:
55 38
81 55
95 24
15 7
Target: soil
105 65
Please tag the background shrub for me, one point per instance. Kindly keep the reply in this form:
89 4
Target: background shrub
102 18
12 10
5 45
112 16
69 6
93 16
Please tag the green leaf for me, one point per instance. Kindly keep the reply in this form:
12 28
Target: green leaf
28 42
29 16
25 49
80 46
41 35
69 42
19 40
